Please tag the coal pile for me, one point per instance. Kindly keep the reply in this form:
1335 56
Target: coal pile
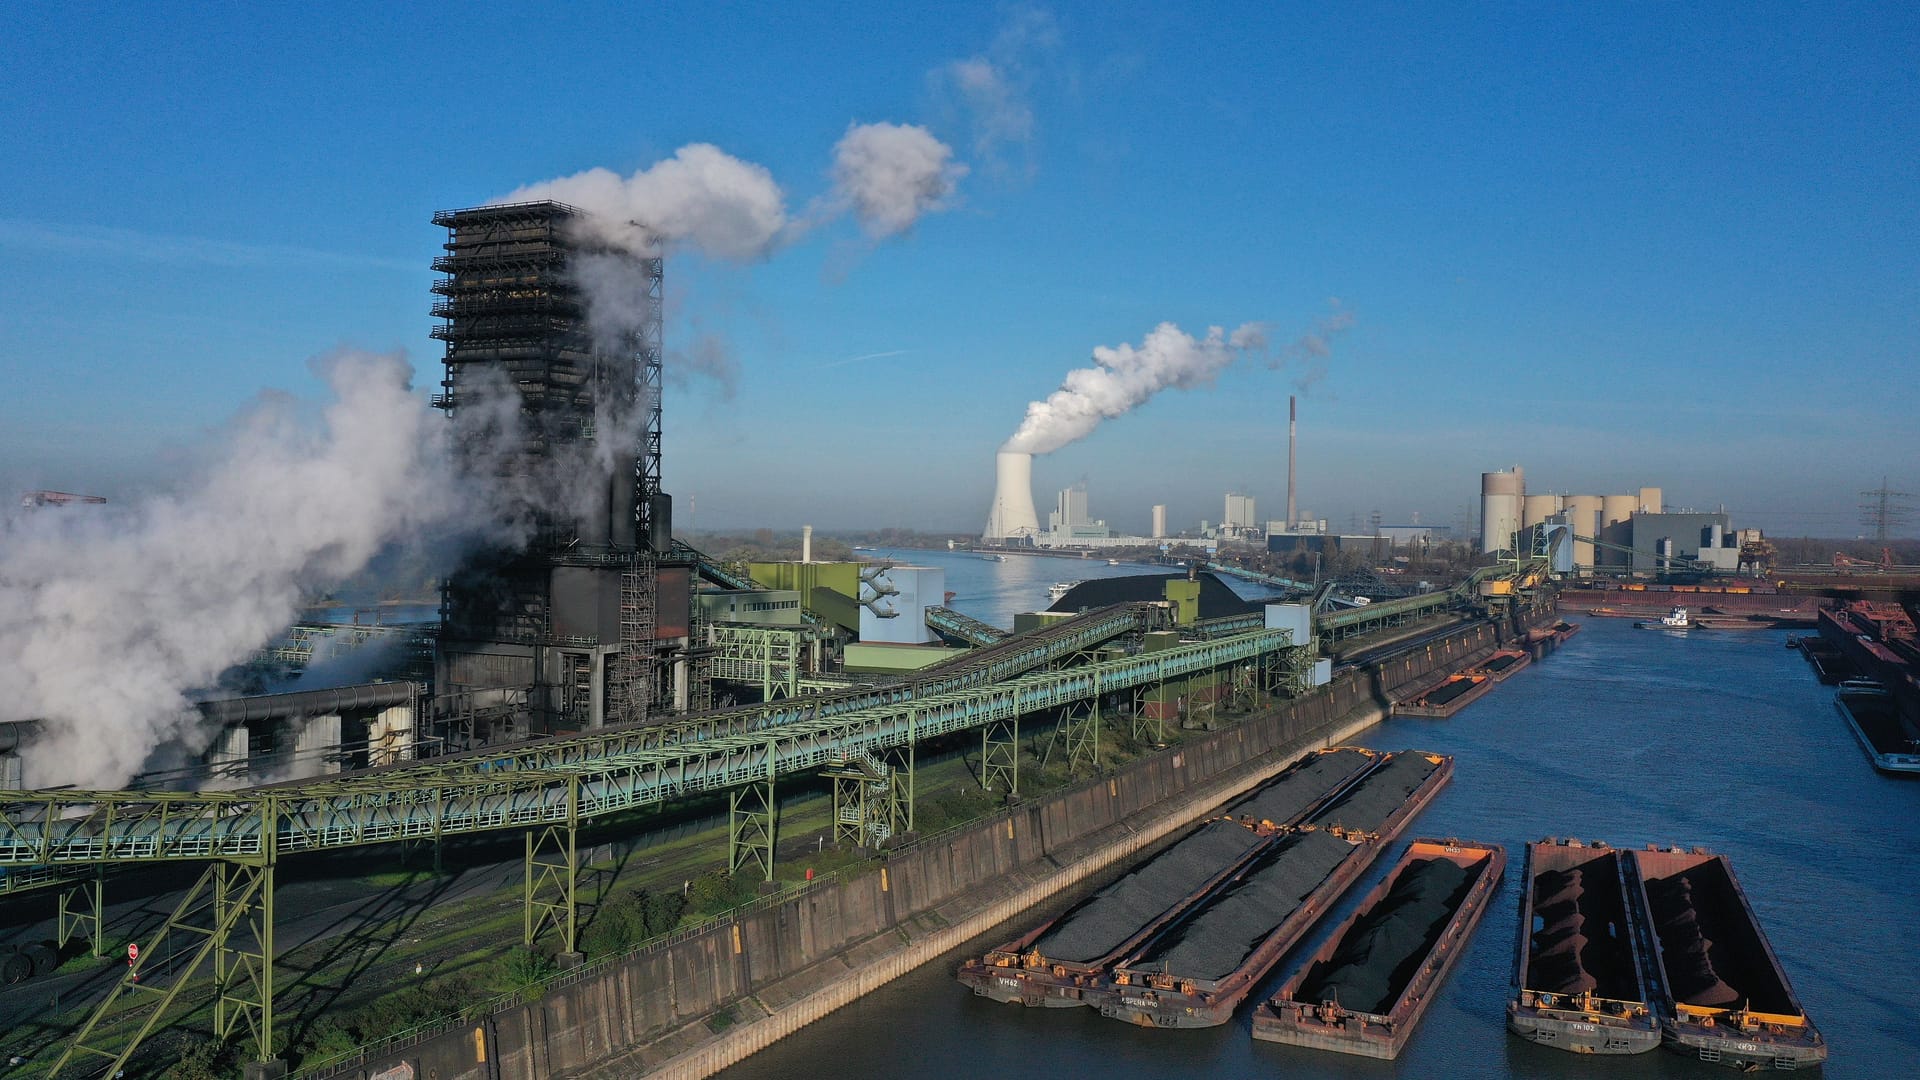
1213 942
1381 951
1290 795
1447 691
1581 944
1368 806
1098 925
1714 955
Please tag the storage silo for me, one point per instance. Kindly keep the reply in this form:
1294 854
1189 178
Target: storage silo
1500 498
1583 515
1650 501
1616 527
1536 509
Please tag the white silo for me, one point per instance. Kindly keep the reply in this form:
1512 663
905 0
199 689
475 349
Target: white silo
1500 497
1012 515
1616 527
1583 515
1159 520
1536 509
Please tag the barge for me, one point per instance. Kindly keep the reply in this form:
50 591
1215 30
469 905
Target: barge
1366 989
1194 971
1057 963
1731 1002
1503 664
1582 978
1883 733
1446 697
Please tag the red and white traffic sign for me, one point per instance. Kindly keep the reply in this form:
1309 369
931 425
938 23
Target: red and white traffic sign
133 951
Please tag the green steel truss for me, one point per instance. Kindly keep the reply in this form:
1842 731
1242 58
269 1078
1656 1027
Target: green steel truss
965 628
553 877
229 910
425 800
771 656
1000 754
81 908
1078 736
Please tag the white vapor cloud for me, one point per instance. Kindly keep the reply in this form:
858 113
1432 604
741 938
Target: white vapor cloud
891 174
1125 376
703 196
993 88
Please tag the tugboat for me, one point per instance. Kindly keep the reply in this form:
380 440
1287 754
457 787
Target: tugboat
1674 620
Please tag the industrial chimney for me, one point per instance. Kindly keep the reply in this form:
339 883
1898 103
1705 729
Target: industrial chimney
1293 417
1012 514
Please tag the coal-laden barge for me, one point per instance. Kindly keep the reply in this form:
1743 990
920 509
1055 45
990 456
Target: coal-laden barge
1583 978
1730 1001
1195 969
1325 819
1366 989
1057 963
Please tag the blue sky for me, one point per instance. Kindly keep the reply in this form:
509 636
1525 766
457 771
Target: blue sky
1619 245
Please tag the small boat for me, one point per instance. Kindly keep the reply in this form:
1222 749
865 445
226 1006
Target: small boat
1059 589
1673 620
1113 562
995 558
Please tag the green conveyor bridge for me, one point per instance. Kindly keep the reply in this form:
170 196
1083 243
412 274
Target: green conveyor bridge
546 789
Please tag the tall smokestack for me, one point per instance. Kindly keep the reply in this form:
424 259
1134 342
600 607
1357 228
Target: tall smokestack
1293 417
1012 514
806 543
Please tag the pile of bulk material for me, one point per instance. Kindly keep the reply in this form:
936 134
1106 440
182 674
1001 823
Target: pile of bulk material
1693 976
1368 806
1582 942
1279 803
1101 923
1215 942
1377 957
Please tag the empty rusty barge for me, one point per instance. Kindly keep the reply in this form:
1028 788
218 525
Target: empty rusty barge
1730 1001
1366 989
1581 978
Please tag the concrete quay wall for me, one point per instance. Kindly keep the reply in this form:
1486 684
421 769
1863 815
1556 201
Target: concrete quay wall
693 1004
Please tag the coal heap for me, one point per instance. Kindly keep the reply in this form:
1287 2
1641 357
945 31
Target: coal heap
1218 939
1217 600
1380 952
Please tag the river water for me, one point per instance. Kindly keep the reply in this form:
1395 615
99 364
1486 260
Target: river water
1722 740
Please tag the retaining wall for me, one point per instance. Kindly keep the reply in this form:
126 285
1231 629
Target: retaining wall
780 966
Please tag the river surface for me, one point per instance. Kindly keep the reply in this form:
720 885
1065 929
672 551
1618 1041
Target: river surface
1722 740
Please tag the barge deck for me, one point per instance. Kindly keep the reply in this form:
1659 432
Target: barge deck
1366 989
1876 722
1445 698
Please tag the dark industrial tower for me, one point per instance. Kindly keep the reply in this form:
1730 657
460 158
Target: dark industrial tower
551 397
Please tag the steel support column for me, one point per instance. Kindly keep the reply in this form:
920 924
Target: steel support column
82 911
1000 755
230 909
553 877
752 823
1079 732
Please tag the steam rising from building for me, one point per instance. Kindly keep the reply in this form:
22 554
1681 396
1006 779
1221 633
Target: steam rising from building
109 618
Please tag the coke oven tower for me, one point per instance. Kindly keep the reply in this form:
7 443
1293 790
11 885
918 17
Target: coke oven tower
574 629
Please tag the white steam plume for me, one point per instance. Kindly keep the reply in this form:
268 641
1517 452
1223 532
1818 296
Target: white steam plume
891 174
108 620
703 196
1124 376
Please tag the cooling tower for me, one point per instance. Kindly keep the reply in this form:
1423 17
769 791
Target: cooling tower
1012 513
1500 495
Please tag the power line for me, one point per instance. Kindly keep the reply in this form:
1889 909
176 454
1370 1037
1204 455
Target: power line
1885 511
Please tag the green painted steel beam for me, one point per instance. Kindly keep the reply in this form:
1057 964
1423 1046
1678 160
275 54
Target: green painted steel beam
57 828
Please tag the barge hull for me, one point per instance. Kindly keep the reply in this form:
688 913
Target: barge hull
1284 1019
1776 1035
1590 1023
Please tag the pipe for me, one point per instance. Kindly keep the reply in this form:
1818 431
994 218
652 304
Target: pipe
381 695
1293 417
